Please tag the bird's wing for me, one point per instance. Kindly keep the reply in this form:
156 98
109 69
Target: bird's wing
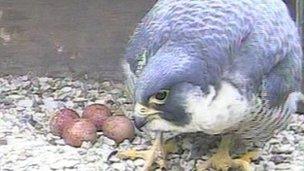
282 80
272 46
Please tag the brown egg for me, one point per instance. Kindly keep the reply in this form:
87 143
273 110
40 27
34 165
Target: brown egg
61 119
118 128
78 132
97 114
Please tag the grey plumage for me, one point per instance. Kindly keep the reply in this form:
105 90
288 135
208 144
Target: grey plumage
252 44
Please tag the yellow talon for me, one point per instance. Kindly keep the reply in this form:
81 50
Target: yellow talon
171 146
222 161
155 154
251 155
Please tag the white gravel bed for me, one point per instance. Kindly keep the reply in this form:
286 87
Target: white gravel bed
27 103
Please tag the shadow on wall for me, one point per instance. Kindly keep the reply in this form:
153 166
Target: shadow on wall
61 37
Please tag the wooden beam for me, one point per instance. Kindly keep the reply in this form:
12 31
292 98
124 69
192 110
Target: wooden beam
300 15
300 25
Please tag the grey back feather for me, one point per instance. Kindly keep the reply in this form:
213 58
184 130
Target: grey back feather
241 41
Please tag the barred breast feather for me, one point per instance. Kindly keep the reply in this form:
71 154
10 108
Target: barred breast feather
263 120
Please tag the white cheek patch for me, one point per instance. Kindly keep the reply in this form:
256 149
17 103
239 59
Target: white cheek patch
214 114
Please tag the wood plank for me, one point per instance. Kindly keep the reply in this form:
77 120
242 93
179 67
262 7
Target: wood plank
60 37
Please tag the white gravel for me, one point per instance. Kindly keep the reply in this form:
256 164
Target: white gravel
27 103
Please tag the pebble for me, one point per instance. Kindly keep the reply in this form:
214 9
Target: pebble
285 148
3 142
61 164
118 166
274 141
2 135
60 142
66 89
108 141
277 159
80 99
301 145
130 163
139 162
86 145
136 141
125 144
283 166
69 104
92 158
39 97
107 151
114 159
269 166
45 168
50 103
25 103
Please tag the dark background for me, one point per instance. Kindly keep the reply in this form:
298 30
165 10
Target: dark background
69 37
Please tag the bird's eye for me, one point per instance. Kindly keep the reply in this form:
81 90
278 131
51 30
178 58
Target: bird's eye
159 97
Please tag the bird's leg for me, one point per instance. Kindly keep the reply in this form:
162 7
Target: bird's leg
222 160
155 154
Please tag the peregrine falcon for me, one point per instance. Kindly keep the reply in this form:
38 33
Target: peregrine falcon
228 67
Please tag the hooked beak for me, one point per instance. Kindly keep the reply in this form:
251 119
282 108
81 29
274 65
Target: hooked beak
143 113
139 122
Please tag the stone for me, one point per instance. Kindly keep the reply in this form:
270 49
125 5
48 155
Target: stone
114 159
3 142
301 145
136 141
50 103
277 159
139 162
91 158
107 151
61 164
44 168
283 166
60 142
66 89
108 141
86 145
285 148
118 166
23 99
25 103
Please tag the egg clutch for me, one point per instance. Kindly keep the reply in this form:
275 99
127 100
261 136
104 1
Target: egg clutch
67 124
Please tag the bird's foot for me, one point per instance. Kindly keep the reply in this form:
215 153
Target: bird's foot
222 160
244 161
170 146
250 155
156 154
219 161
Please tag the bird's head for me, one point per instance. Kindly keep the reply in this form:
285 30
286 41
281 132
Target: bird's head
166 109
165 88
179 92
